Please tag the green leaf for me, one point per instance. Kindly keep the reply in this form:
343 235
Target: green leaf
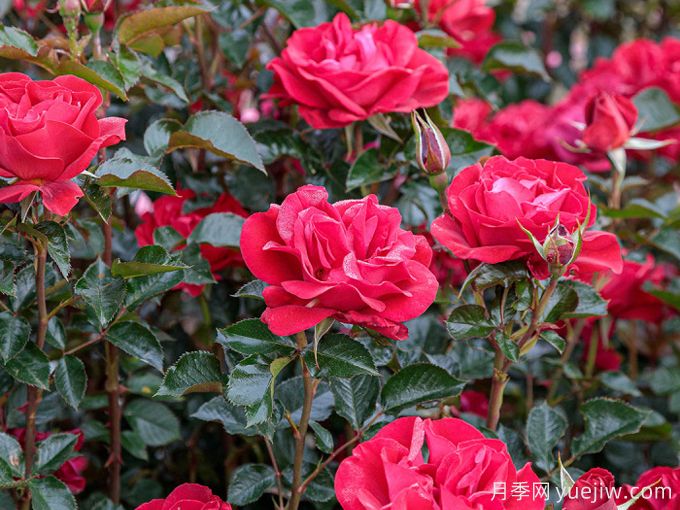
232 417
157 136
218 229
590 303
668 240
324 439
606 420
14 334
491 275
434 38
290 394
249 482
141 288
665 380
198 270
563 301
514 56
54 451
149 260
11 456
141 24
252 290
103 75
13 38
465 150
102 293
134 445
367 169
355 398
152 74
252 336
545 427
50 494
340 356
219 133
7 277
138 341
509 348
469 321
302 13
620 382
31 366
152 421
57 245
554 339
168 238
655 110
635 208
128 170
70 380
417 384
194 372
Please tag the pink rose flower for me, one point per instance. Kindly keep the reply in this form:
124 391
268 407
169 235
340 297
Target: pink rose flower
188 496
168 211
338 75
350 261
49 133
488 203
464 470
594 490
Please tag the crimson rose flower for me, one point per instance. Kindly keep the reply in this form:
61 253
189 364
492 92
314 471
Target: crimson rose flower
338 75
168 211
487 204
71 471
469 22
594 490
49 134
609 121
665 493
188 496
464 470
350 261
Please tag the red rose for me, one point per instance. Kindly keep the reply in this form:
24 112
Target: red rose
609 121
188 496
488 203
469 22
71 471
464 470
338 75
349 260
594 490
664 491
474 402
49 134
168 211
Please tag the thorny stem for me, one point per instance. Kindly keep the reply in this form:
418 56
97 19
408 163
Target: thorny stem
277 471
34 393
309 385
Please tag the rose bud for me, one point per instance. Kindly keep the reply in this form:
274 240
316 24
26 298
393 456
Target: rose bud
610 119
558 247
432 152
69 8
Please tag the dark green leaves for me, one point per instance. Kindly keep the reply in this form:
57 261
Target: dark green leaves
50 494
252 336
417 384
141 288
545 427
138 341
14 333
367 170
655 110
54 451
102 293
194 372
128 170
15 42
219 229
30 366
57 245
606 420
355 398
219 133
469 321
152 421
249 482
143 25
149 260
70 380
340 356
514 56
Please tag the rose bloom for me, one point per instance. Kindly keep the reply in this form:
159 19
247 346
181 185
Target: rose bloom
188 496
664 495
71 471
469 22
338 74
349 261
168 211
594 490
515 130
487 204
609 121
49 134
463 470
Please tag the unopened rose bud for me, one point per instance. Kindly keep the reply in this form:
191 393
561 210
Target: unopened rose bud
432 152
69 8
558 247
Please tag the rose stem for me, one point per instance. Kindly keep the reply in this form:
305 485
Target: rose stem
309 390
34 393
